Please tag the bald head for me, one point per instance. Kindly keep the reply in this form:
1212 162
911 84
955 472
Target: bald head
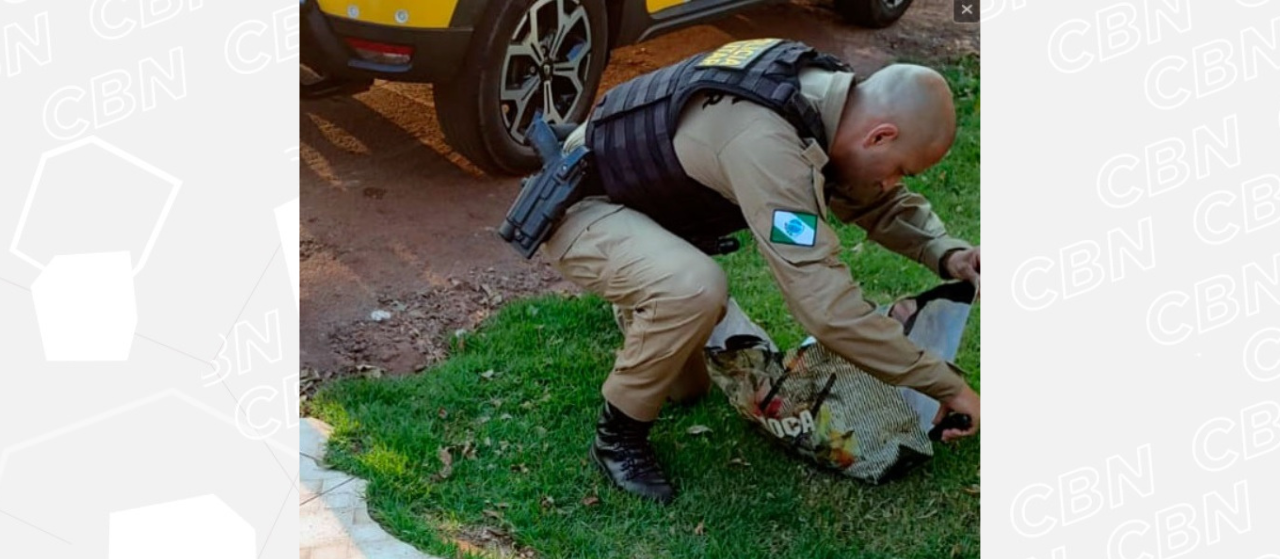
900 121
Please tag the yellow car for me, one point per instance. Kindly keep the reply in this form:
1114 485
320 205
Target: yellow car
496 62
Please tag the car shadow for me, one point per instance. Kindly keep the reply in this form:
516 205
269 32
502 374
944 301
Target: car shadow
387 210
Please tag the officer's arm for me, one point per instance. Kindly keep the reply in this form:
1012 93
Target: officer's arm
901 221
769 173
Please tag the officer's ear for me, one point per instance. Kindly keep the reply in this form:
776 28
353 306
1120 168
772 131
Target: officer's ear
880 135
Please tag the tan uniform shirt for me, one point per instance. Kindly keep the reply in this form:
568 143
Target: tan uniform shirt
752 156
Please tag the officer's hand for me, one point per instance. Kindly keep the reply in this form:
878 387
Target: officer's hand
965 402
966 264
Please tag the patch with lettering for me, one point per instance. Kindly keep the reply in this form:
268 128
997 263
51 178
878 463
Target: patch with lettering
738 53
794 228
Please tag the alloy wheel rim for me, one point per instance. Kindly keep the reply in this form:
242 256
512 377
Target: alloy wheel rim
545 65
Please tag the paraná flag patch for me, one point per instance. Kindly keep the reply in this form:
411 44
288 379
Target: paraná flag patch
794 228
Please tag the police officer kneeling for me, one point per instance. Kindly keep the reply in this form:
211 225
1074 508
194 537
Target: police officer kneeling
767 135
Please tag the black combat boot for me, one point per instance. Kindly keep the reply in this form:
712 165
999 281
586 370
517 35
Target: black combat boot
623 452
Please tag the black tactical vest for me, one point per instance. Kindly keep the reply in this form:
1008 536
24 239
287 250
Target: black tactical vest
633 126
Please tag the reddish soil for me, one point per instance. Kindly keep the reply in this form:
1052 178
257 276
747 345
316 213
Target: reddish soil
393 220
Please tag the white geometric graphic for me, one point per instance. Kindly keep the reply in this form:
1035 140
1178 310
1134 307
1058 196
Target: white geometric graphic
170 445
87 335
288 218
85 303
86 307
199 528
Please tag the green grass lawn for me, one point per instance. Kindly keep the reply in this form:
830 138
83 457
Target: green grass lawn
514 407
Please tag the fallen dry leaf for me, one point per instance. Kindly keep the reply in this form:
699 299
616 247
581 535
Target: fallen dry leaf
698 430
739 462
493 514
488 375
443 414
447 460
467 549
973 490
699 529
590 500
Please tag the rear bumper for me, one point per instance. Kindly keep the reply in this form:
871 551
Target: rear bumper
438 54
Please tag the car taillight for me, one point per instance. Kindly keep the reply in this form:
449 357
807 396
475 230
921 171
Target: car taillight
381 53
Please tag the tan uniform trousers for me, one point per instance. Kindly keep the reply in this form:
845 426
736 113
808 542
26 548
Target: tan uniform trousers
667 294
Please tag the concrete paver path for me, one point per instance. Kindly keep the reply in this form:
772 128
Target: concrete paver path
335 522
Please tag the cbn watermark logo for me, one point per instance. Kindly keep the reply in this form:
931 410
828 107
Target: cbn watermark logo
1081 267
1117 30
247 340
1125 178
1183 528
1081 494
115 96
1262 355
267 343
1217 302
1214 67
1257 207
244 340
32 42
288 399
1222 442
117 19
255 44
1040 508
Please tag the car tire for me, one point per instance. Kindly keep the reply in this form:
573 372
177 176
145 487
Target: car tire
485 110
872 13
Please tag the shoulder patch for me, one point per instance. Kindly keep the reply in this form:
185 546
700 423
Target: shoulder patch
794 228
737 54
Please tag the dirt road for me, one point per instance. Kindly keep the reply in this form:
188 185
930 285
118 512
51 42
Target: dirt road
398 242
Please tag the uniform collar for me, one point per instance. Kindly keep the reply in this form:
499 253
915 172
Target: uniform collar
827 91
